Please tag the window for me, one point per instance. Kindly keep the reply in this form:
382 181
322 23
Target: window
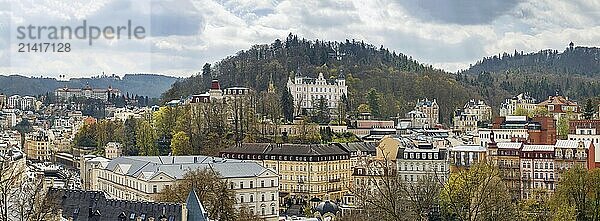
262 197
272 182
154 189
272 197
272 210
262 183
241 185
251 198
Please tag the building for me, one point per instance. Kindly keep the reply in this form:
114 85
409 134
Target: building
537 169
21 102
142 178
420 159
306 91
587 130
523 101
415 120
113 150
430 109
560 106
306 170
471 116
537 130
97 206
370 129
464 156
570 153
215 93
507 156
87 92
2 101
38 147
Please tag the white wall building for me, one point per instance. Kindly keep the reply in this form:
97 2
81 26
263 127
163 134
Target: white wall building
520 101
144 177
307 91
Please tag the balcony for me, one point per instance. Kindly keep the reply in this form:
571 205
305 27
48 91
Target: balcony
334 190
509 166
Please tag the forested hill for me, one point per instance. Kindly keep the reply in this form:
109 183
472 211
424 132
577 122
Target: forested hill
150 85
578 60
395 79
574 73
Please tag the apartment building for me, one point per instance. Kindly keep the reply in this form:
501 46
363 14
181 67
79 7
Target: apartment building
38 146
421 159
522 101
306 170
431 110
306 91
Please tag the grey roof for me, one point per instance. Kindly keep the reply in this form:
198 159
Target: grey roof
93 205
177 166
196 211
288 149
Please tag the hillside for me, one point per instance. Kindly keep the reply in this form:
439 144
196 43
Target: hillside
397 79
574 72
141 84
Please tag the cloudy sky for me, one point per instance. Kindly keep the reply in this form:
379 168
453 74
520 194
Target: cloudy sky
184 34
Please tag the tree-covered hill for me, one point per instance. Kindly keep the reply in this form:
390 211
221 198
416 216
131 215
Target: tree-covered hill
396 79
150 85
574 73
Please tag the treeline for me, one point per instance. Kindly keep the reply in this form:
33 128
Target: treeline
397 80
579 60
150 85
573 73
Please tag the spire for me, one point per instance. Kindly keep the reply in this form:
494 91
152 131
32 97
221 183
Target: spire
196 211
271 88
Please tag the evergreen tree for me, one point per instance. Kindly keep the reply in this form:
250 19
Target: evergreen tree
206 75
373 99
287 103
589 110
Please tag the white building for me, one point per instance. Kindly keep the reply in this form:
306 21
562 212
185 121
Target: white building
113 150
144 177
430 109
520 101
307 91
86 92
418 160
473 113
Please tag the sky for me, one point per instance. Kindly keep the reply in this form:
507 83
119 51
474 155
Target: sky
182 35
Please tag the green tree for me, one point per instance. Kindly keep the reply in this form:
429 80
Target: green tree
589 110
287 103
374 99
180 144
563 126
540 112
146 139
212 191
578 195
519 111
364 108
321 114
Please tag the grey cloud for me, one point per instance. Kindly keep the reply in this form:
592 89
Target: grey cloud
464 12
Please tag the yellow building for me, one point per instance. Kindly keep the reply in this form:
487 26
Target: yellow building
306 171
38 147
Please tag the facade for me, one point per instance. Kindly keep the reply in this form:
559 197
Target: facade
21 102
38 147
306 170
418 159
2 101
537 169
471 116
522 100
431 111
507 156
215 93
372 129
538 130
113 150
560 106
306 91
87 92
142 178
463 157
586 130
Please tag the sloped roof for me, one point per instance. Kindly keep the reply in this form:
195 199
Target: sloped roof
572 144
176 166
509 145
196 211
288 149
538 148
